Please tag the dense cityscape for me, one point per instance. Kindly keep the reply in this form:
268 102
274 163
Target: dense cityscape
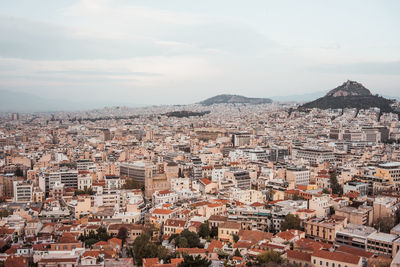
181 133
225 184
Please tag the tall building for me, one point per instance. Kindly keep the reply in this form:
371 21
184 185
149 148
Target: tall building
138 171
15 116
65 176
297 176
22 191
240 139
196 169
313 155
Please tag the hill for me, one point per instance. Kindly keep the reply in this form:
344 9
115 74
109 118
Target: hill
350 94
231 99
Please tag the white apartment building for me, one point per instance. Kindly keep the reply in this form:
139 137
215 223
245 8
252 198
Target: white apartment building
22 191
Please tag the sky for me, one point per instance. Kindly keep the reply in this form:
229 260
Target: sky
183 51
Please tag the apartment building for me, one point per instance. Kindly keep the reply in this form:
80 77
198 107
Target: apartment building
381 243
22 191
363 215
324 229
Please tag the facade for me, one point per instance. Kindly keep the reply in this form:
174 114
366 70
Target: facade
324 229
23 192
138 171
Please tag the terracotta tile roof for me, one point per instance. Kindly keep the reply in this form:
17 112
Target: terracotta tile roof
164 192
230 225
215 244
218 218
91 253
16 261
243 244
162 211
205 181
175 223
311 245
355 251
115 241
337 256
298 255
149 262
254 235
177 261
257 204
101 243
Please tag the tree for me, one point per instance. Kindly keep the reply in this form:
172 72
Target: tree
4 213
235 238
335 186
204 230
269 257
237 253
122 234
385 224
144 248
198 261
186 239
214 232
291 222
86 191
132 184
326 191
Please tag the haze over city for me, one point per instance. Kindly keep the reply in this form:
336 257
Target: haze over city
103 53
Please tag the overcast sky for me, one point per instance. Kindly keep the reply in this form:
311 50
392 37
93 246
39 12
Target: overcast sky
173 52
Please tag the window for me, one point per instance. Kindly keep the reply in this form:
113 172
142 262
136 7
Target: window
315 262
320 262
327 264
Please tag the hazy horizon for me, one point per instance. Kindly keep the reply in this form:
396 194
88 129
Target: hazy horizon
182 52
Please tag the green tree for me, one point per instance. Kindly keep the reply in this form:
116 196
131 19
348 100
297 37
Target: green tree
198 261
132 184
235 238
144 248
122 234
4 213
291 222
214 232
335 186
385 224
204 230
326 191
186 239
269 257
237 253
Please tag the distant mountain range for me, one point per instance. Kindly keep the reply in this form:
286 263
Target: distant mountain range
11 101
234 99
350 94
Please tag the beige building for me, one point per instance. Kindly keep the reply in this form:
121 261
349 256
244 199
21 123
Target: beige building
362 216
335 259
227 230
384 207
172 226
324 229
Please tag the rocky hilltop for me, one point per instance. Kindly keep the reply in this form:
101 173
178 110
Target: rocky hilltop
349 88
350 94
230 99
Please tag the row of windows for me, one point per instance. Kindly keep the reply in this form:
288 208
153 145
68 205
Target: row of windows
327 264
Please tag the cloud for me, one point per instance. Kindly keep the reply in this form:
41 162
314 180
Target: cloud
367 68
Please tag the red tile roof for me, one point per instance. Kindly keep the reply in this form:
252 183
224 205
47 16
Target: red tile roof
337 256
